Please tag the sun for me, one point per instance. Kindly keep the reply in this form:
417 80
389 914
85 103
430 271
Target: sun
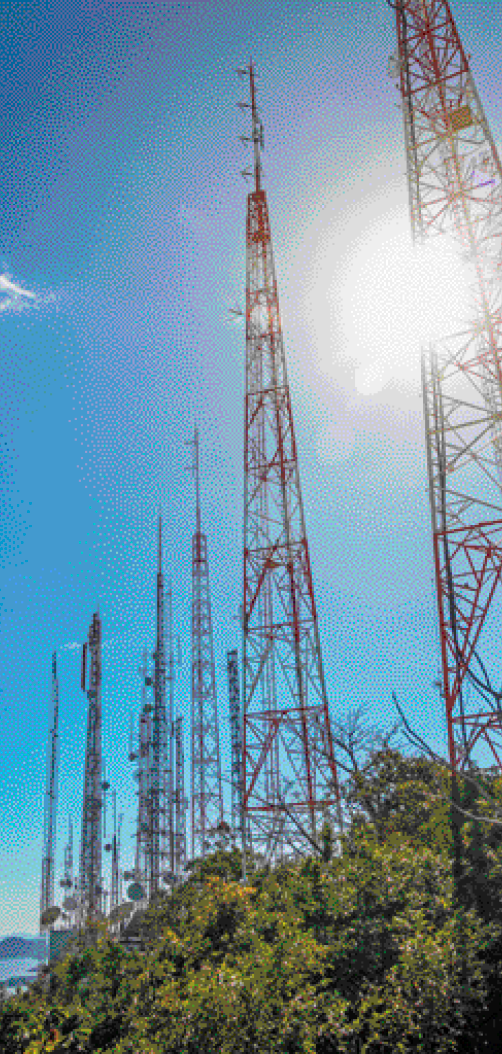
387 299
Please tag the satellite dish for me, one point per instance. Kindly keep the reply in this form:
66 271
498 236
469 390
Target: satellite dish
70 903
49 916
136 892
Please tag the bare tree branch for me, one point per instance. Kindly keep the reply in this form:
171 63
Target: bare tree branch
416 740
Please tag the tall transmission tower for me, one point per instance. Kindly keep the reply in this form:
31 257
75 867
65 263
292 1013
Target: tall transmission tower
47 884
180 839
91 885
207 796
67 881
142 755
455 191
287 739
236 743
114 848
70 903
158 791
170 746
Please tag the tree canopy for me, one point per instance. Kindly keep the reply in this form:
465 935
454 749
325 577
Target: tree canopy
363 952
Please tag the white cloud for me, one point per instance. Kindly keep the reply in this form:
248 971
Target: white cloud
15 298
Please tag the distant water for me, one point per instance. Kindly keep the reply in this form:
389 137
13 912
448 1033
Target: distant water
18 968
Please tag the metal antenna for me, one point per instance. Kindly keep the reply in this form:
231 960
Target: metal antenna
236 743
170 729
142 755
157 795
180 799
91 884
47 884
207 795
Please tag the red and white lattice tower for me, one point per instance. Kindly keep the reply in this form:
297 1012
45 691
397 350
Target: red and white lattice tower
455 191
289 771
159 780
207 796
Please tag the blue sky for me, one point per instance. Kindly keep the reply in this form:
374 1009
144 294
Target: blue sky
122 250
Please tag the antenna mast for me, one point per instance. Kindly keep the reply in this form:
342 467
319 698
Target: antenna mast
236 742
142 775
180 799
91 884
115 865
170 757
207 797
158 789
67 881
287 737
47 885
70 903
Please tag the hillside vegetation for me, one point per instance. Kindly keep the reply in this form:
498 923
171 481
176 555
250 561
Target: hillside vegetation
367 951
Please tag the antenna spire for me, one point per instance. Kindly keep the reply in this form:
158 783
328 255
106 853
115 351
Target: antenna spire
257 130
159 565
196 469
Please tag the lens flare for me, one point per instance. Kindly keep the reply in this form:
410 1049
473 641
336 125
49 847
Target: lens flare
389 298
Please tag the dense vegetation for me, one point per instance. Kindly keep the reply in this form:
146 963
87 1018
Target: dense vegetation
370 950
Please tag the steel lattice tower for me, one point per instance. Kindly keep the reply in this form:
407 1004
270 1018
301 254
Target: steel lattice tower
91 885
70 902
180 839
455 190
236 742
288 759
207 797
170 750
142 775
115 890
47 884
158 789
67 881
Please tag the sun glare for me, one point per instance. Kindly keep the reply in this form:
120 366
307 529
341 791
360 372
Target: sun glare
389 298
